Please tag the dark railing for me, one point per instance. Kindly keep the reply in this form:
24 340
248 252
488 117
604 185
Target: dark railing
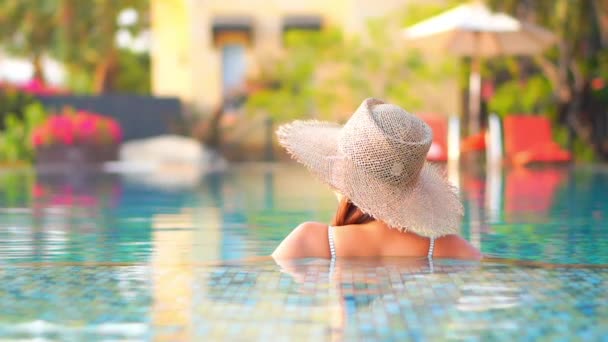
140 116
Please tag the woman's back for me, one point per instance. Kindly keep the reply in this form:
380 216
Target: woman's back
311 239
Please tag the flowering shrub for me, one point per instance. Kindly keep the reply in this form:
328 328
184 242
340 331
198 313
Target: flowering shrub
15 133
77 128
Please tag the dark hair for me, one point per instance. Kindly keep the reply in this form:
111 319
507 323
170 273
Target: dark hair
349 213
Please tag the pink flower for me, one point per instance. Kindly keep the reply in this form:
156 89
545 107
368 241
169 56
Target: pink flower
87 129
67 137
77 127
115 132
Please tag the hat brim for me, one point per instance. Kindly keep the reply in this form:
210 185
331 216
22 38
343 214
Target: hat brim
428 206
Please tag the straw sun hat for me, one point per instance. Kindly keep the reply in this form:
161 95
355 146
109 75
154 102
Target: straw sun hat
378 161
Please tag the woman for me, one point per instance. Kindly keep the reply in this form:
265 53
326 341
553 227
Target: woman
392 202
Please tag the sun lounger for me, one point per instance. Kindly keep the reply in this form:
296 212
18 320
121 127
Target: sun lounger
528 139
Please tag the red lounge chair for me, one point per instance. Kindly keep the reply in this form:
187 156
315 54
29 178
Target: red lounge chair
528 139
439 148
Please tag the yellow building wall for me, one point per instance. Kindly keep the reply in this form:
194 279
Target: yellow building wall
205 67
170 52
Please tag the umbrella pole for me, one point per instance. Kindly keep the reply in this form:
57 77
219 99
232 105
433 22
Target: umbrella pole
474 94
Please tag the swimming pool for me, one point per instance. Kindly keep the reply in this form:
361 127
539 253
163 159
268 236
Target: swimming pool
101 256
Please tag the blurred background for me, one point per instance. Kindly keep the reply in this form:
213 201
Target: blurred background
226 72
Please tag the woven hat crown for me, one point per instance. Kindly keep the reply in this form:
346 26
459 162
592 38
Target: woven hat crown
378 161
386 141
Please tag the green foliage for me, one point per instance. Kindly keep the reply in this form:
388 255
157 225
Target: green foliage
599 84
533 96
80 81
324 75
13 102
80 34
15 142
28 25
19 113
561 135
29 28
584 152
134 75
581 151
298 87
417 11
87 43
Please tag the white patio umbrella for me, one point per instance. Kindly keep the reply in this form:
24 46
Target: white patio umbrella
473 30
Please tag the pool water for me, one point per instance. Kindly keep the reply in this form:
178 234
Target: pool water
172 257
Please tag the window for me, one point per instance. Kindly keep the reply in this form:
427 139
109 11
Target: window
231 29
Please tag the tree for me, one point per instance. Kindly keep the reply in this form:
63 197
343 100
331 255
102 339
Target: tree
134 73
575 65
88 37
28 28
80 34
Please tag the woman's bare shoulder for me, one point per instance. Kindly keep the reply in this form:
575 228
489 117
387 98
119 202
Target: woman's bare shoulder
456 247
307 240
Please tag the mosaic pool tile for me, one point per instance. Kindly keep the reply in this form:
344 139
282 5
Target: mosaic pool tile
67 302
457 301
379 300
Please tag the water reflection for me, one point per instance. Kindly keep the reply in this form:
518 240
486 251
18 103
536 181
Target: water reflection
550 214
259 204
103 217
544 213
